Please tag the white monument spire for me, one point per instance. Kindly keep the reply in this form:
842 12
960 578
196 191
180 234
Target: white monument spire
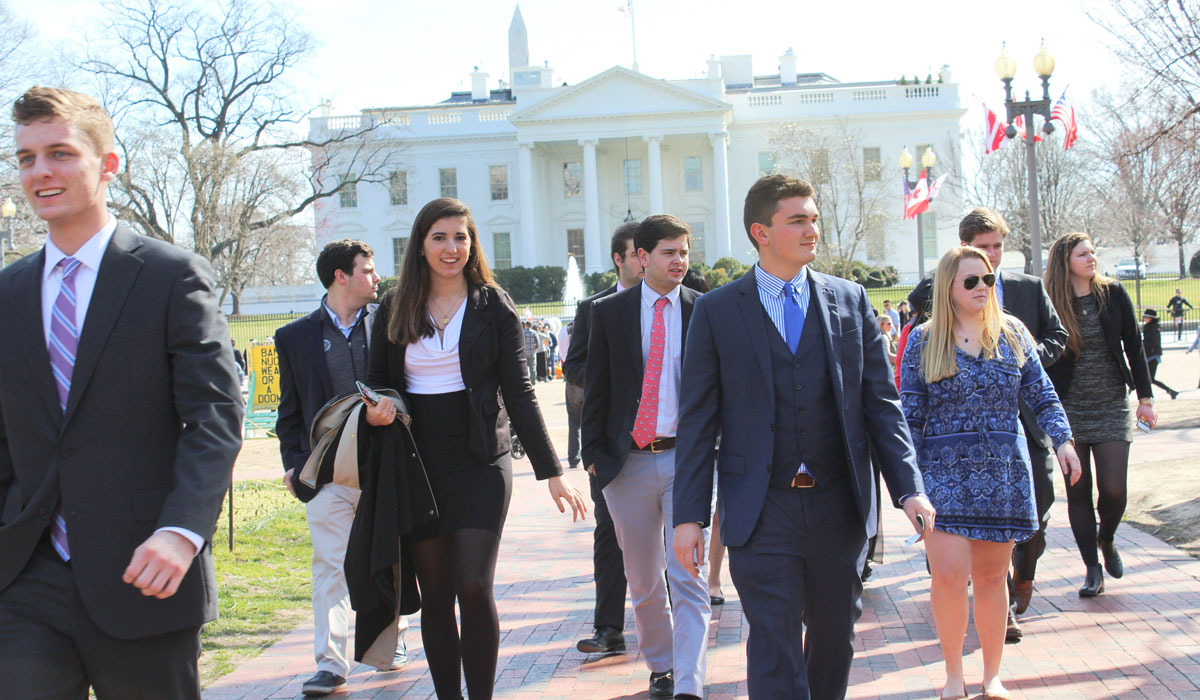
518 41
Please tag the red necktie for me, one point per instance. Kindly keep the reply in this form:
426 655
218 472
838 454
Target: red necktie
647 416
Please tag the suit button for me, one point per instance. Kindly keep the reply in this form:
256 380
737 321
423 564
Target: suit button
43 513
797 365
799 387
65 452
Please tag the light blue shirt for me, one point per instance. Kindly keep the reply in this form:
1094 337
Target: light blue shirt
337 322
770 293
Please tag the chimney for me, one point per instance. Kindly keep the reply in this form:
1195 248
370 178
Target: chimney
479 89
787 68
714 68
944 76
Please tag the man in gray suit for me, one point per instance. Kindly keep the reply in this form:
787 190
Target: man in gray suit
786 364
120 418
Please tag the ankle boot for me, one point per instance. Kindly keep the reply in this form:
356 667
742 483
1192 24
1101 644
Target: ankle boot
1093 585
1112 559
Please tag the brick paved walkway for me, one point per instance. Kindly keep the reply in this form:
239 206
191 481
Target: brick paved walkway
1141 639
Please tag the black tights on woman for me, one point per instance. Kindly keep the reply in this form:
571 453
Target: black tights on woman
1112 467
459 566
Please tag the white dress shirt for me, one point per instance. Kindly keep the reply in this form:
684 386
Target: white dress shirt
668 383
89 255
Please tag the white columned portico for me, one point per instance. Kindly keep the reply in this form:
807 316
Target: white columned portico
528 215
592 249
654 148
723 245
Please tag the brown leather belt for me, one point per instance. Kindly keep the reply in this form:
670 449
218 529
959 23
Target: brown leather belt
659 445
803 480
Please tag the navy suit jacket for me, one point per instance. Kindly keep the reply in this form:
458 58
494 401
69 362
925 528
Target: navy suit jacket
614 372
304 387
728 388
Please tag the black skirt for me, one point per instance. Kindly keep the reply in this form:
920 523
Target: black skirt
471 492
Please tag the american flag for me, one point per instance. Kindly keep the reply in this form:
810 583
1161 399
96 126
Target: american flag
994 130
1065 112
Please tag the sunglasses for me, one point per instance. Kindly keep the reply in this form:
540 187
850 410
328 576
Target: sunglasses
972 281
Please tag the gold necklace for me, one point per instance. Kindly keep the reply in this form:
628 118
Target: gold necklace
446 315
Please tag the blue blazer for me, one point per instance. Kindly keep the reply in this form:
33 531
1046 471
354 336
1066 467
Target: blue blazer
729 390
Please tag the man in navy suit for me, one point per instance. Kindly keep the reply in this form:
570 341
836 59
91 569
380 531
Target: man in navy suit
630 412
320 358
786 364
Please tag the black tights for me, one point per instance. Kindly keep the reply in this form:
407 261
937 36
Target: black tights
459 566
1112 467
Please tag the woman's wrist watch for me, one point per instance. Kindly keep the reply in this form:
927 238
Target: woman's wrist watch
1146 402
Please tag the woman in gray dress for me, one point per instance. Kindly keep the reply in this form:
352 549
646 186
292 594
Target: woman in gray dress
1103 361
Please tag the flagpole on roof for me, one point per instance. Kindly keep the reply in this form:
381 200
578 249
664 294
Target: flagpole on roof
633 36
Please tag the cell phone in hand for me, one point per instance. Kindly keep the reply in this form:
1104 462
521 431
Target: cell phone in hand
369 395
912 540
1143 425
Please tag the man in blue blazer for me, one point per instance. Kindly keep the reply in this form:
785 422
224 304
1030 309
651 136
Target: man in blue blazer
786 364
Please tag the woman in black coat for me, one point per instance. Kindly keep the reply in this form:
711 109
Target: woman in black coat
1103 361
450 342
1152 342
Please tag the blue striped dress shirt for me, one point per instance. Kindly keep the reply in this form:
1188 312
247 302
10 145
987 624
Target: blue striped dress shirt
770 293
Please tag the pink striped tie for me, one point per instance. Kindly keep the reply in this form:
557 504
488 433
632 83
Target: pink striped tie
63 345
646 422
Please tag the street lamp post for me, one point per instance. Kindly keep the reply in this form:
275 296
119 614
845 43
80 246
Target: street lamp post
928 160
1006 68
7 211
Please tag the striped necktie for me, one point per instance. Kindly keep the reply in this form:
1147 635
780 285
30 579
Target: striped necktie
64 343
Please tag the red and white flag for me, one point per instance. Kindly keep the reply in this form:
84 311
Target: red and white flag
1065 112
994 130
918 200
626 8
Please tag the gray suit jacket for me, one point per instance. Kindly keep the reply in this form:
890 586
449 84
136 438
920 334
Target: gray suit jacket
728 388
148 439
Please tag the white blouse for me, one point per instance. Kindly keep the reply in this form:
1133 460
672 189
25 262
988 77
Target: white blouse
431 365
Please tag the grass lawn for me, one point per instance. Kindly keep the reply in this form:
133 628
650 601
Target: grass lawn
264 583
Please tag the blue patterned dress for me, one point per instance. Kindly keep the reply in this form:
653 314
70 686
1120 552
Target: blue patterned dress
970 444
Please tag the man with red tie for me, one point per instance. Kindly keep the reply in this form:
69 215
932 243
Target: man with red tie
630 410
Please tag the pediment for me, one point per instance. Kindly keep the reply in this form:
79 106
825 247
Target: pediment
399 226
618 92
500 220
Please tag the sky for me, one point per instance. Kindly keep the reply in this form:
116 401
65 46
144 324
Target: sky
376 53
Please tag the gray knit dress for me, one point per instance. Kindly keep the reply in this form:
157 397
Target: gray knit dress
1097 401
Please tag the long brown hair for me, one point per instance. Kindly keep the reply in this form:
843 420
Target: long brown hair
409 320
1058 286
938 358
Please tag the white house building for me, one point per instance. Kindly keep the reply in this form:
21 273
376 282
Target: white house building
550 169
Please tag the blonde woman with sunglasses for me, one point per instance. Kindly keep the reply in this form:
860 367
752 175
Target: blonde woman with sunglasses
962 376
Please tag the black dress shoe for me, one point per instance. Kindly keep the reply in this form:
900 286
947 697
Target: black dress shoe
324 683
662 685
1093 585
716 600
1012 631
1112 559
685 696
606 640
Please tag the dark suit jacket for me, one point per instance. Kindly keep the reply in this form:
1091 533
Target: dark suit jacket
729 388
149 437
576 360
1124 341
491 351
614 378
304 387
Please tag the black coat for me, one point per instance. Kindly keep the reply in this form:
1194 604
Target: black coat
1124 342
491 351
574 366
1152 339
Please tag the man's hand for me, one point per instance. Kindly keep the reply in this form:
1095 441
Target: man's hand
689 547
159 563
920 505
287 481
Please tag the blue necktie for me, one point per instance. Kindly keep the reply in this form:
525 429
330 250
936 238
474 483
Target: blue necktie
793 317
